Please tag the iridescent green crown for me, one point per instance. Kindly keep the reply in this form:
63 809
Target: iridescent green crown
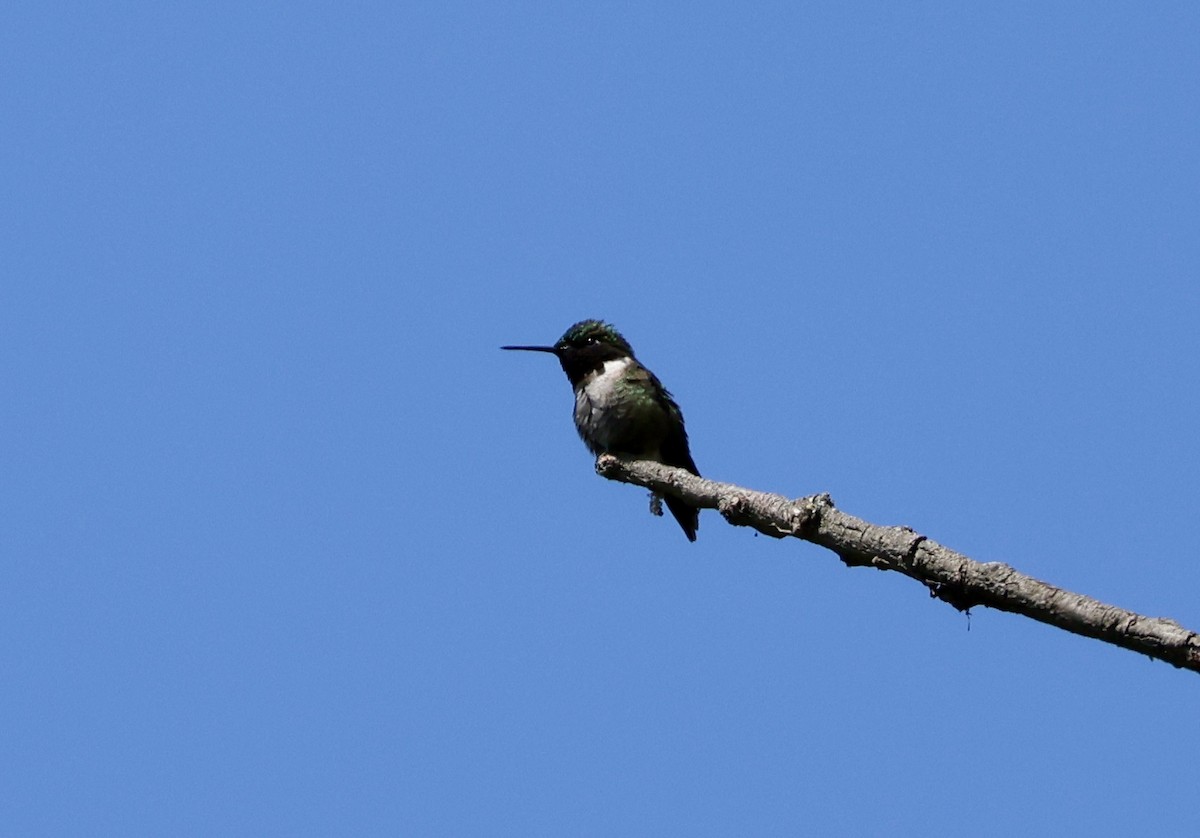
595 331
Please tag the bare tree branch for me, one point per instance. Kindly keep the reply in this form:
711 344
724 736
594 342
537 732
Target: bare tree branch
949 576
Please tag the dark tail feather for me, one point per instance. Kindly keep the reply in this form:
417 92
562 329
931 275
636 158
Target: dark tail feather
687 516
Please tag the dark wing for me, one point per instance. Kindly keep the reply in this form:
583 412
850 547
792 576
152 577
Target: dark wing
675 452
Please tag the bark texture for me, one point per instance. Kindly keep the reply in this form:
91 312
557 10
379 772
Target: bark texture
950 576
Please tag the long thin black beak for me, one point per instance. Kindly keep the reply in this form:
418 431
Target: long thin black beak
549 349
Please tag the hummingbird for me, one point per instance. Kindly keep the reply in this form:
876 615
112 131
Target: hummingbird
621 407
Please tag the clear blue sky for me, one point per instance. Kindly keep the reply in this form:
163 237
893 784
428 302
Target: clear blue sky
289 547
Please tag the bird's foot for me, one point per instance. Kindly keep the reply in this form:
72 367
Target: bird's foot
656 503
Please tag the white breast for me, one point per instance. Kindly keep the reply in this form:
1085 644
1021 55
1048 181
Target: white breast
595 399
601 388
